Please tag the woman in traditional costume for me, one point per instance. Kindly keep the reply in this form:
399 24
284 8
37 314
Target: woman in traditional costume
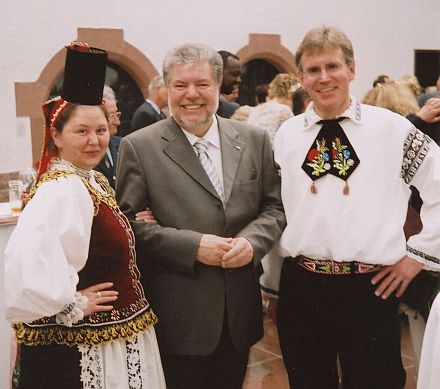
72 289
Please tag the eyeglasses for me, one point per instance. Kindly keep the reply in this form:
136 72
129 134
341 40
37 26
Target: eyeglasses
330 68
112 115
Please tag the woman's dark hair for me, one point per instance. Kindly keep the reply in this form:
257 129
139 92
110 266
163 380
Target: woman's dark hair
64 116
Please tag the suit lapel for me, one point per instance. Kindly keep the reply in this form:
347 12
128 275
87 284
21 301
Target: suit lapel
181 152
232 150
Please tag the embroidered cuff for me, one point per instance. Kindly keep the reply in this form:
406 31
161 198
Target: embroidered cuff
415 149
74 312
430 262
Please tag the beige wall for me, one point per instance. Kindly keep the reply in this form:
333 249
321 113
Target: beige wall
384 34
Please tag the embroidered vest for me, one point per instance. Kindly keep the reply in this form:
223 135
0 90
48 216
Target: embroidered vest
111 258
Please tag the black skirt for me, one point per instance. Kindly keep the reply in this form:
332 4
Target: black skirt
48 367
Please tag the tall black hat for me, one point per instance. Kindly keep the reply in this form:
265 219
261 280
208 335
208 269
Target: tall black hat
84 77
84 74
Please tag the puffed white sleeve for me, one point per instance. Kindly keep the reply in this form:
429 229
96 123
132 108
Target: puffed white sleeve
425 246
47 249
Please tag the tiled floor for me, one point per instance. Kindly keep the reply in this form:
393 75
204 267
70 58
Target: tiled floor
266 369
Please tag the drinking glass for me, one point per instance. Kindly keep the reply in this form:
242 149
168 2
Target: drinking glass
27 176
15 195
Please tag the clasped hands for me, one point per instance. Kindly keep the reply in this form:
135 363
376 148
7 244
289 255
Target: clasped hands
228 253
214 250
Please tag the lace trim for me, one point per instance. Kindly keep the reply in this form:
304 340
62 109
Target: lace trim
134 370
97 196
92 371
68 169
426 257
414 152
91 363
73 312
33 335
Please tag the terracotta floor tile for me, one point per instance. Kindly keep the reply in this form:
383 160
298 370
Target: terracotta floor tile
266 368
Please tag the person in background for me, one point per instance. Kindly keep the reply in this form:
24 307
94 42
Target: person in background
232 97
429 93
412 83
300 100
218 212
107 165
242 113
399 98
278 107
261 92
382 79
395 96
427 118
231 81
346 171
72 291
150 111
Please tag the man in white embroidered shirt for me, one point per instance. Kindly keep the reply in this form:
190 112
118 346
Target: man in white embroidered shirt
346 169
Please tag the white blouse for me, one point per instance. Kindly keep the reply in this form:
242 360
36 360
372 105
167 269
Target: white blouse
47 249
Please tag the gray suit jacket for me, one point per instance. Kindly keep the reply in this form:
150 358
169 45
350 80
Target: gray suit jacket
144 116
158 168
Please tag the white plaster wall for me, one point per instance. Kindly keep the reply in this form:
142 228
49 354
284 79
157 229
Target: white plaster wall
384 34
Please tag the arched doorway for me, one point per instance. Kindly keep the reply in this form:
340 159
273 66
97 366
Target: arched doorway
255 72
262 58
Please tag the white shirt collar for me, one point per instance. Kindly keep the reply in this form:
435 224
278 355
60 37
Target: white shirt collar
212 135
154 105
353 112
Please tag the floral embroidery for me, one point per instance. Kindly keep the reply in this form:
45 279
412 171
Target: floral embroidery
341 157
340 160
319 158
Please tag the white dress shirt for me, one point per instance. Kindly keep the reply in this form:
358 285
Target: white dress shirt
154 105
214 150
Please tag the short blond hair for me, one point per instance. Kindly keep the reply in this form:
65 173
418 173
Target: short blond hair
321 37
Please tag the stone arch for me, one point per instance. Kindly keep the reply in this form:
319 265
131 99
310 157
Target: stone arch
29 96
269 48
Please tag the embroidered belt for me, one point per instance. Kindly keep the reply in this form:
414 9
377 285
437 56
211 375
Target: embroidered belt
335 268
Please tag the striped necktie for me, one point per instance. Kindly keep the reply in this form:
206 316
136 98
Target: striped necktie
201 146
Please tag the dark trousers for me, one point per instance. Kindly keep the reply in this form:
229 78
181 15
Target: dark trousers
321 317
225 368
49 367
